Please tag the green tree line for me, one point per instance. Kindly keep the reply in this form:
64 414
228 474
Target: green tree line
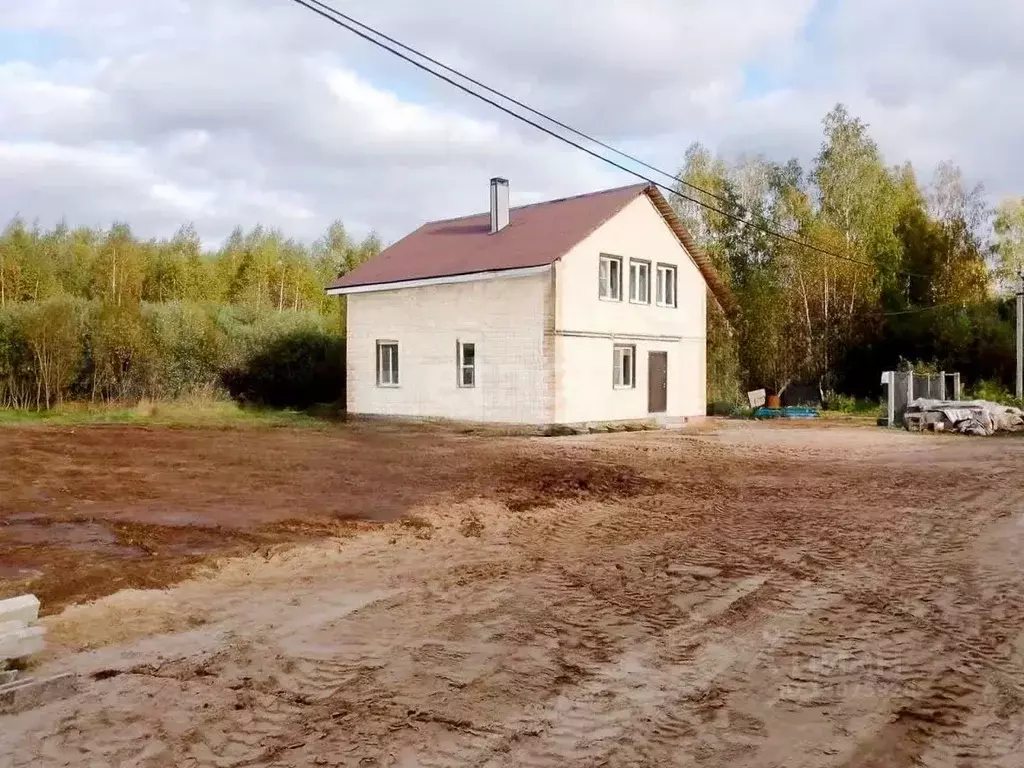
260 269
926 273
104 315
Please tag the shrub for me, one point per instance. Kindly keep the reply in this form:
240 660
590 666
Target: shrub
921 367
52 333
723 367
17 375
65 347
722 408
123 358
994 391
840 403
249 331
300 369
191 349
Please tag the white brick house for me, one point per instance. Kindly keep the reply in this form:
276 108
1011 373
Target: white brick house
586 309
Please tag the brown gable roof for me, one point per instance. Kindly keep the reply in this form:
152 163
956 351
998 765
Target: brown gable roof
536 235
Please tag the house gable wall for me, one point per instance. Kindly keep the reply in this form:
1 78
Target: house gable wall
587 327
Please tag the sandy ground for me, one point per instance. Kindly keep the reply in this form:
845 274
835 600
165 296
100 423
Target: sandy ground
753 596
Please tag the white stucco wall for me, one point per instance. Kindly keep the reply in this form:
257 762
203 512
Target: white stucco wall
587 327
585 392
509 320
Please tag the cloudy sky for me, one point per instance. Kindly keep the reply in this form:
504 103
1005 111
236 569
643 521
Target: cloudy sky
224 112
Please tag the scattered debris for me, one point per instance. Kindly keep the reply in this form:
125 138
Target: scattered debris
967 417
561 430
757 398
20 638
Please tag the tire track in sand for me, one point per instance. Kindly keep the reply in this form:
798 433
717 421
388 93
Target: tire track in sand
586 721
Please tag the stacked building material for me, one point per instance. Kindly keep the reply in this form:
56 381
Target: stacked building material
21 637
967 417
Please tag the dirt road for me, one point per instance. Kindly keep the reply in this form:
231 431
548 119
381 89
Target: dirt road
756 596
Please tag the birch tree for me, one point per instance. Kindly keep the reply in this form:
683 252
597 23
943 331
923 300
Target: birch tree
1009 232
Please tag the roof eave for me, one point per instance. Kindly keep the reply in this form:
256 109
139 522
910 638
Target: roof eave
721 292
466 277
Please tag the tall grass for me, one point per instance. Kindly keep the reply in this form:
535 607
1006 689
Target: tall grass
192 411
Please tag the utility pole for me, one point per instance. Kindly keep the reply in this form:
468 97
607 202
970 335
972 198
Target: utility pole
1020 335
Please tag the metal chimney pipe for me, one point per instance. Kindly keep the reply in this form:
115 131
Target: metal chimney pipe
499 204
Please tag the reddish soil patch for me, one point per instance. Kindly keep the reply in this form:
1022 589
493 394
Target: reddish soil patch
233 478
85 512
81 558
541 481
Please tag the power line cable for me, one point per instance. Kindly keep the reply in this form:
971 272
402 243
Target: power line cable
520 104
371 36
919 310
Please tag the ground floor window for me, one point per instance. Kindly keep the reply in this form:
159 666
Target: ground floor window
624 366
466 361
387 363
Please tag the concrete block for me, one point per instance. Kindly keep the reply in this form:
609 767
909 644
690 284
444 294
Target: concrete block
34 692
18 641
914 422
24 608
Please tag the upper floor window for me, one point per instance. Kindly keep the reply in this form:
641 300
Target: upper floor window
387 363
466 354
610 278
666 285
640 281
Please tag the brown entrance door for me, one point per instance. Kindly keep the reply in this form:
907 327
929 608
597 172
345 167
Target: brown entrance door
657 382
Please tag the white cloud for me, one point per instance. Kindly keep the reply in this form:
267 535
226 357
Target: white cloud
229 112
45 179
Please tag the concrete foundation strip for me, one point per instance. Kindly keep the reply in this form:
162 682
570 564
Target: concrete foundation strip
32 692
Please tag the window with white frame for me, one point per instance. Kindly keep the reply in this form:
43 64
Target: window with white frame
640 282
625 366
387 363
610 278
466 360
666 285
